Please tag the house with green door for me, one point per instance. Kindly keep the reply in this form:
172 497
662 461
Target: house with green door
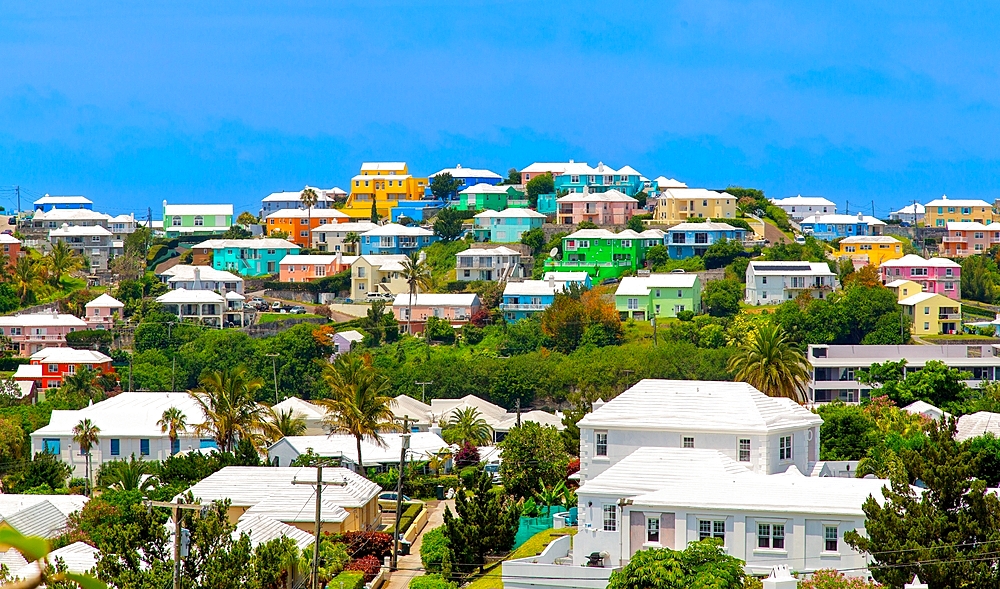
180 220
658 295
600 253
486 196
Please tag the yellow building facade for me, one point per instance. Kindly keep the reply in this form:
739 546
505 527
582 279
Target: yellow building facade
930 313
385 184
677 205
870 249
940 212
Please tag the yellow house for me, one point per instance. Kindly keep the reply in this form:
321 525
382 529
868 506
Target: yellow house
677 205
940 212
904 288
378 273
385 184
870 249
932 314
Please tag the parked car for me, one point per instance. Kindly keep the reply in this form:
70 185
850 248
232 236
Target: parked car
379 296
387 501
256 302
608 281
297 310
276 306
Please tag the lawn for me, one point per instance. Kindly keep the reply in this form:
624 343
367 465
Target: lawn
492 579
959 337
272 317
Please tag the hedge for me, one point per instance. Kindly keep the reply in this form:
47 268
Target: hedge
11 364
336 283
434 550
348 580
423 487
734 223
409 514
431 582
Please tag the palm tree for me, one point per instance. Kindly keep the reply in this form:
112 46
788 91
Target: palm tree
128 475
352 239
360 404
467 426
309 199
285 423
62 260
86 434
227 398
770 364
417 275
83 382
172 422
25 276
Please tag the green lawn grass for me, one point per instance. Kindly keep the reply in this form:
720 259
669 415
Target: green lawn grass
272 317
533 547
959 337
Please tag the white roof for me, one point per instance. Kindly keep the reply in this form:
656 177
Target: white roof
899 282
385 262
484 188
650 469
397 229
351 335
695 405
926 409
42 320
183 295
324 259
185 273
301 408
407 406
491 251
510 213
944 201
123 218
11 503
592 234
842 219
915 260
977 424
443 408
663 183
460 299
299 508
263 243
556 168
26 371
382 166
8 238
43 519
79 557
542 418
608 196
640 285
787 268
566 276
234 296
246 486
534 287
63 200
197 209
706 226
346 446
69 215
305 214
460 172
693 193
966 226
803 201
909 210
105 300
296 195
69 356
79 231
869 239
919 298
262 529
358 227
125 415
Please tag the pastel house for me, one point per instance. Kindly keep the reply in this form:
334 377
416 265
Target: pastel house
299 223
799 207
306 268
830 227
102 312
940 212
393 239
937 275
93 242
602 208
969 238
11 247
870 249
456 308
658 295
48 202
529 297
196 219
344 341
201 278
481 197
677 205
384 184
601 253
686 240
378 274
497 263
932 314
332 237
470 176
246 257
581 178
205 307
506 226
772 283
30 333
49 366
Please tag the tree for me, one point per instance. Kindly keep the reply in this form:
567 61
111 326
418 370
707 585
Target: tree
286 423
534 239
722 253
721 298
172 422
950 525
832 579
228 400
62 260
576 318
448 224
847 432
137 242
25 277
86 435
309 198
445 186
935 383
657 257
359 402
43 473
128 266
417 275
83 382
978 279
702 564
246 219
240 232
487 523
513 177
352 239
635 223
770 364
374 214
132 474
537 186
532 455
467 427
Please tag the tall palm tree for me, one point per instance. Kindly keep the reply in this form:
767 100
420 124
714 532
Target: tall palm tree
83 382
417 275
467 426
128 475
285 423
25 277
173 422
86 435
62 260
309 199
769 363
352 239
228 400
360 404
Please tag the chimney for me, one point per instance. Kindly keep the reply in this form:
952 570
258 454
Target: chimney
780 578
197 275
552 281
597 404
916 583
861 216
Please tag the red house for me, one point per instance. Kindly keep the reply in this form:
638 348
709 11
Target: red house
49 366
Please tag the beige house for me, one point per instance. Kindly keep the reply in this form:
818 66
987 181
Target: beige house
377 273
677 205
456 308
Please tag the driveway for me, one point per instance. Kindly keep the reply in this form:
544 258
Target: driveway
410 566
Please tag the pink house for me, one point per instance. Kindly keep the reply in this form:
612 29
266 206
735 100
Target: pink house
35 332
603 208
969 238
936 275
309 267
102 312
456 308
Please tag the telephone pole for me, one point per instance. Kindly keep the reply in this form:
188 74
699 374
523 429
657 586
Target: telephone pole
404 446
517 407
423 390
319 484
175 509
274 367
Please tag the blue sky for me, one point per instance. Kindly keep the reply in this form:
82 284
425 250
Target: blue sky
131 103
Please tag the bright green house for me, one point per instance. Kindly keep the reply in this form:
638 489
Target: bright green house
600 253
658 295
486 196
179 220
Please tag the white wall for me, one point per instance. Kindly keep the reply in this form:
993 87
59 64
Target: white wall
159 449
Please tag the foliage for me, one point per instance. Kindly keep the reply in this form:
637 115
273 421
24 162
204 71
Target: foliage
770 364
369 565
721 298
722 253
702 564
362 543
533 455
467 426
486 524
935 383
448 223
236 232
534 239
431 582
591 319
657 257
445 186
847 431
437 329
348 580
856 315
44 472
468 455
833 579
228 400
127 475
513 177
750 200
979 279
537 186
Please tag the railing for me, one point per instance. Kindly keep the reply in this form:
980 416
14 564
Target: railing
952 316
523 307
949 239
588 264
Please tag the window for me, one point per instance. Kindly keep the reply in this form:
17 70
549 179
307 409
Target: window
199 221
927 310
51 446
785 448
144 447
927 325
708 528
116 447
601 443
633 304
207 443
688 442
830 538
771 536
653 529
95 239
176 222
763 279
680 294
574 179
610 518
744 450
53 369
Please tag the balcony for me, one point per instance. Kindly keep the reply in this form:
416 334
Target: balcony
949 316
523 307
949 239
589 264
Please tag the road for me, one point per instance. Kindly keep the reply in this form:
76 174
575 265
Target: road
410 565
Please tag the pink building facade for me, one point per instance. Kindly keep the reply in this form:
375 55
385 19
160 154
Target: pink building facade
969 239
602 208
35 332
102 312
935 275
309 267
457 309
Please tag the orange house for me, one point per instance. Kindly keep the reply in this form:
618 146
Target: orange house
299 223
50 365
309 267
11 247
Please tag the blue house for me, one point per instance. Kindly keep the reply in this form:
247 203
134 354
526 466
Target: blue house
393 239
47 203
687 240
582 178
469 176
417 210
547 204
506 226
525 299
830 227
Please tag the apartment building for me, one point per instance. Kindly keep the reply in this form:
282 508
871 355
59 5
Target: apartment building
333 237
306 268
677 205
378 274
196 219
942 211
30 333
92 242
969 238
602 208
686 240
870 249
385 184
799 207
498 263
772 283
937 275
830 227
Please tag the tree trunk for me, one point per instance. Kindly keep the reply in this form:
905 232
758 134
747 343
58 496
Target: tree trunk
409 313
361 467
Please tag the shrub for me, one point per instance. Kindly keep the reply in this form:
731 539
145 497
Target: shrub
348 580
435 551
431 582
361 544
573 467
686 315
410 513
467 456
369 565
423 487
468 475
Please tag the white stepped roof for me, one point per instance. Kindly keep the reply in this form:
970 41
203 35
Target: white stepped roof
509 213
382 166
534 287
185 273
608 196
491 251
185 296
944 201
870 239
322 259
699 406
8 238
640 285
63 200
650 469
105 300
11 503
358 227
69 356
693 194
323 195
484 188
706 226
835 219
967 226
385 262
246 486
915 260
125 415
43 520
263 243
79 231
921 297
198 209
542 418
443 408
307 213
977 424
346 446
911 209
803 201
301 408
664 183
460 172
460 299
79 557
407 406
566 276
390 229
262 529
300 508
42 320
69 215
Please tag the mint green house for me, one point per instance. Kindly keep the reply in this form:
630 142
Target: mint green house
180 220
248 257
486 196
658 295
600 253
506 226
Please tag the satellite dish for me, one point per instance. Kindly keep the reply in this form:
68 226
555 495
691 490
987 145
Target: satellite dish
553 253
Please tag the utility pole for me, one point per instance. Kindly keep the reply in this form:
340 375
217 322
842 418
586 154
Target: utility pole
404 446
130 371
173 373
847 206
873 208
274 367
423 390
17 191
175 509
517 407
319 484
653 320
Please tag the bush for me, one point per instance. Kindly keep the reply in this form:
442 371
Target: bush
435 551
439 330
11 364
468 455
361 544
468 475
348 580
431 582
686 315
410 513
369 565
155 253
423 487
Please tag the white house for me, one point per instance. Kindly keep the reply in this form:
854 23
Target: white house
121 226
205 306
311 413
55 218
345 448
201 278
911 214
499 419
331 236
102 312
93 242
978 424
128 423
799 207
497 263
771 283
766 434
277 201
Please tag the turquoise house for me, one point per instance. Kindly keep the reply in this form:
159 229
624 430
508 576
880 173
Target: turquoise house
249 257
506 226
547 204
582 179
686 240
181 220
